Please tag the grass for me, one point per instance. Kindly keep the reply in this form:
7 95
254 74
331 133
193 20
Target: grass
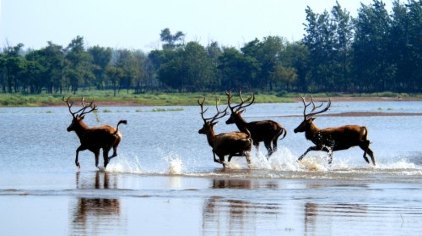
165 99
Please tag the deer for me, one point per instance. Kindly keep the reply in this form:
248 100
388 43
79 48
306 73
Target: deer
267 131
102 137
332 139
232 143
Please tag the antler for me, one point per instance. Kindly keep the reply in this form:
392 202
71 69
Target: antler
91 105
314 107
220 114
82 111
239 106
201 104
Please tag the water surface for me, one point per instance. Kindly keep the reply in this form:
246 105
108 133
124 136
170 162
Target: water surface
165 182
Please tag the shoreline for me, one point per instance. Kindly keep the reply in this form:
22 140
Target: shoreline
183 99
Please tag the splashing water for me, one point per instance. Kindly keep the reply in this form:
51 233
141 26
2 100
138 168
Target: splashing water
282 163
175 164
125 165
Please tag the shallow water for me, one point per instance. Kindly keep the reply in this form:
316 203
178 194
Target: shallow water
165 182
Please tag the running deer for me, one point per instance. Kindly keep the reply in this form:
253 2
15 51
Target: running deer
267 131
332 139
95 138
223 144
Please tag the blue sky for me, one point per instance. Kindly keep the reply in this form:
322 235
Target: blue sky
136 24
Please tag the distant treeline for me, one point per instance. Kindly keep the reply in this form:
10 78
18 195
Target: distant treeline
376 51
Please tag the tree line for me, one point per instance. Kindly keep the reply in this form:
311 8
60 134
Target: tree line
375 51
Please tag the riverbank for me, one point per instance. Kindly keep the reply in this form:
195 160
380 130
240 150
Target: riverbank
106 98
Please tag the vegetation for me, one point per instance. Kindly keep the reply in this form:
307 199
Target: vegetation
376 51
145 99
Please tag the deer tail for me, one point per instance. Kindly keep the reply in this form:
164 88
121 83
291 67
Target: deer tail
283 133
120 122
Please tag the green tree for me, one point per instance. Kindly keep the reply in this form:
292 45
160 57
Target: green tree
296 56
14 67
115 74
171 41
52 58
371 66
405 43
187 68
127 62
341 51
101 58
79 65
35 72
238 71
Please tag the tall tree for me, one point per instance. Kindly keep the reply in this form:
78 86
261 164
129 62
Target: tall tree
171 41
404 41
372 70
342 40
53 59
238 71
101 58
78 70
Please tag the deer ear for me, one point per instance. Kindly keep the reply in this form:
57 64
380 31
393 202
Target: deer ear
81 117
241 111
214 123
313 118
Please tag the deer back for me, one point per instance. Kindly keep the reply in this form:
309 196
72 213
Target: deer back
233 142
346 136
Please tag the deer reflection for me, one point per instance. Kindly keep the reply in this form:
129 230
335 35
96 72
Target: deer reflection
99 211
313 211
228 215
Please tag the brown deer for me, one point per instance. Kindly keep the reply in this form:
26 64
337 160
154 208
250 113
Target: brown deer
223 144
267 131
102 137
332 139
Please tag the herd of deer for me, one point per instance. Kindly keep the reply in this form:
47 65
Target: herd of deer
237 143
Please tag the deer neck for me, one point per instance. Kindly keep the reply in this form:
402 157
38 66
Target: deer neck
211 137
241 123
311 131
81 129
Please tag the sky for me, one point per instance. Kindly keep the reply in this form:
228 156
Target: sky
136 24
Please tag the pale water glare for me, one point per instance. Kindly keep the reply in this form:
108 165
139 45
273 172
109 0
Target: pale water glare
164 180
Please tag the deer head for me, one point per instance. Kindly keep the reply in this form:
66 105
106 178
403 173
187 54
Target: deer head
238 109
79 115
308 117
210 122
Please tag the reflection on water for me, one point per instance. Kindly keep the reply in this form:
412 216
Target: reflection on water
93 215
223 215
328 213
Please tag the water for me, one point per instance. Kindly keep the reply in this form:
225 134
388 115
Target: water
164 180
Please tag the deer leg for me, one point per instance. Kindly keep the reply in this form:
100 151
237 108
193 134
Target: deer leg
248 158
215 159
115 148
222 160
269 149
230 157
330 155
366 149
256 145
97 154
274 145
105 157
80 148
313 148
371 154
330 151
